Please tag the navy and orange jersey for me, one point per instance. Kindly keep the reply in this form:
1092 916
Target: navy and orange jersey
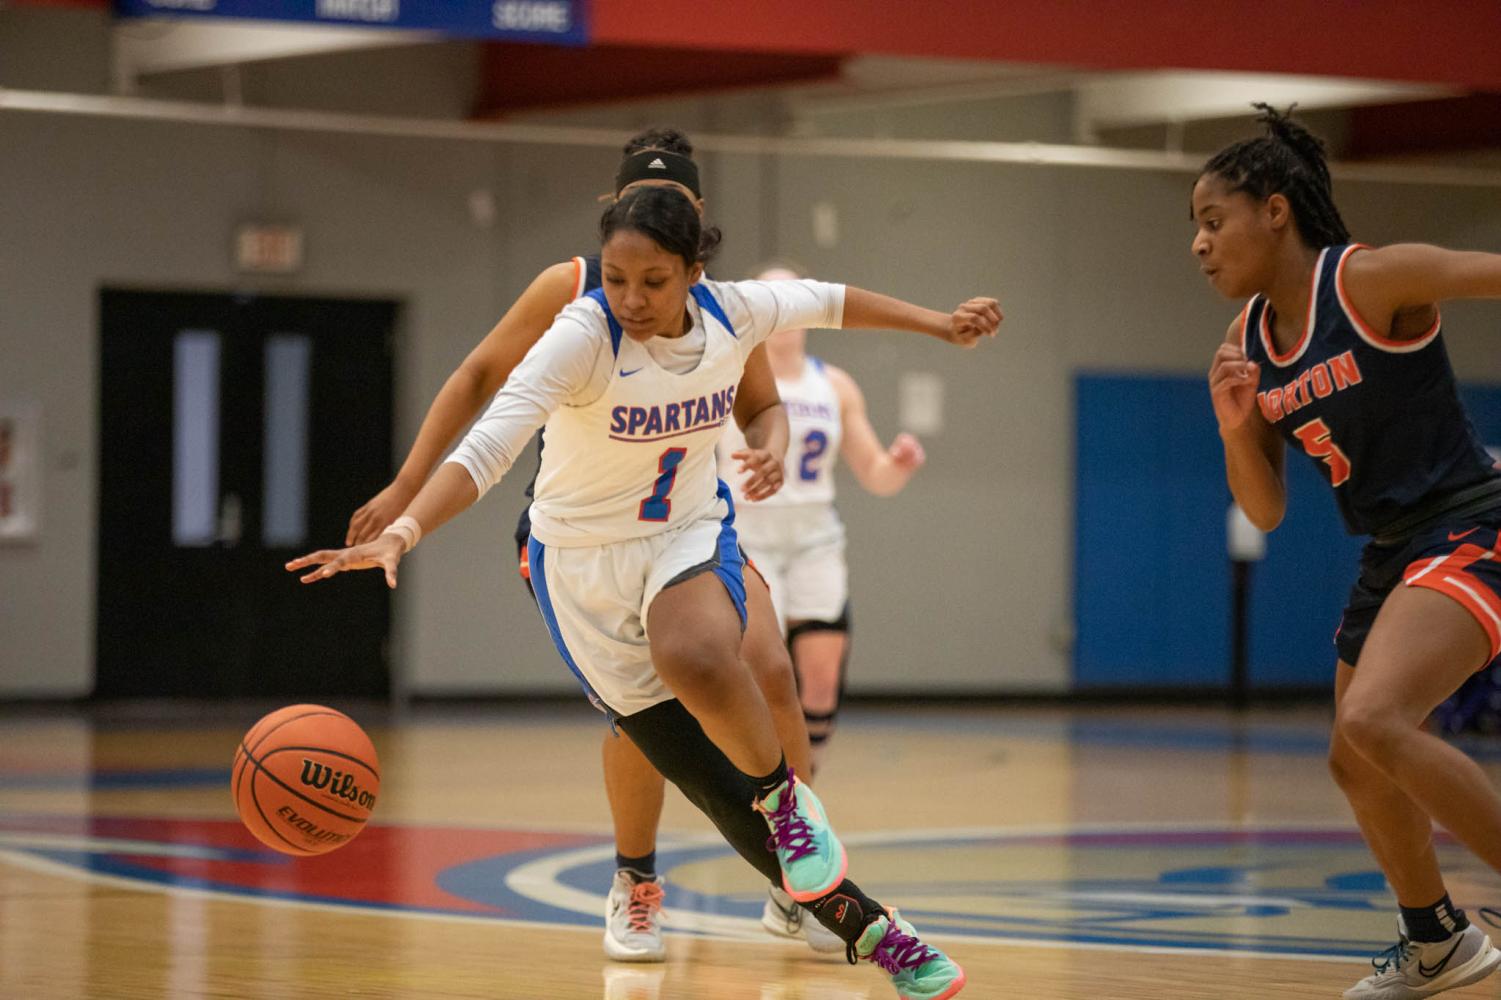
1380 418
586 278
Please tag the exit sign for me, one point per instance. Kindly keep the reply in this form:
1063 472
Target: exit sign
264 249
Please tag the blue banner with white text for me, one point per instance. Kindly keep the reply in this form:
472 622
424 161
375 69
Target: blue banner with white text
560 22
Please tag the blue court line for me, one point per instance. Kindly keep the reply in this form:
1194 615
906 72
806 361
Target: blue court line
167 777
1100 929
483 881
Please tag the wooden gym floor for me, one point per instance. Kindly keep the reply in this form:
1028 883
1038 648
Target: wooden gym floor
1089 854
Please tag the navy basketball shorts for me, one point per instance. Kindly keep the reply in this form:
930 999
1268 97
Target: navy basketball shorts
1460 559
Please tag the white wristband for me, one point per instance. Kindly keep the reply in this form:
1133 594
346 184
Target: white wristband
407 529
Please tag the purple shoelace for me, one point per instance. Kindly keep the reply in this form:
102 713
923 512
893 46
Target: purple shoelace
789 831
898 950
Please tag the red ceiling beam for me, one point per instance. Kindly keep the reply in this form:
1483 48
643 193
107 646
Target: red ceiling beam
1443 126
1438 41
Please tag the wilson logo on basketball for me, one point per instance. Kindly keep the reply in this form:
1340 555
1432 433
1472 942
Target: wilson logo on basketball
326 779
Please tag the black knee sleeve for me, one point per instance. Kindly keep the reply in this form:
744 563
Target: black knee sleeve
677 746
821 725
840 624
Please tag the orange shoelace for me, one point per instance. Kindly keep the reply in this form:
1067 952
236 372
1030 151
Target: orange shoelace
646 899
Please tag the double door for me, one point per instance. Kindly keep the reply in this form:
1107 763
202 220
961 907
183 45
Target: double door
236 432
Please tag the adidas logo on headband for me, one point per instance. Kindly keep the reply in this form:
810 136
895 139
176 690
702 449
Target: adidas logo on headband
655 165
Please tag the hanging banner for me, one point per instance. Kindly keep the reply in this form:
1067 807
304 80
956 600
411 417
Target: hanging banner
20 471
560 22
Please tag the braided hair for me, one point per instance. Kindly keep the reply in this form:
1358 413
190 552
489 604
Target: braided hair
669 140
1288 160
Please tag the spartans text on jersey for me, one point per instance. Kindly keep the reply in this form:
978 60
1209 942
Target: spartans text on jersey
652 423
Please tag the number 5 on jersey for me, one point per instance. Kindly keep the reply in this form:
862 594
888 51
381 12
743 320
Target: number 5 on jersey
657 507
1317 441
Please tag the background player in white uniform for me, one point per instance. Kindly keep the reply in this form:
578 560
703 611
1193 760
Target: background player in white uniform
634 557
795 537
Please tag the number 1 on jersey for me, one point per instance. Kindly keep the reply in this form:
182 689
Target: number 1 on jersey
1317 441
657 507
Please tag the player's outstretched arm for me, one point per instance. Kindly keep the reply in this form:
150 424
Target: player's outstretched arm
1254 453
465 393
763 422
882 471
559 369
449 491
964 326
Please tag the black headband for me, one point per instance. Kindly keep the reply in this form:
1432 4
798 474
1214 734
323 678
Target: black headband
657 165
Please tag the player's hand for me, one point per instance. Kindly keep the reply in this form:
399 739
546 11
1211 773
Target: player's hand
764 469
384 553
907 453
366 524
972 320
1232 386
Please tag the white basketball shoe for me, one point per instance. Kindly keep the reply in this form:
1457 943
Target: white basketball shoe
784 918
633 920
1411 969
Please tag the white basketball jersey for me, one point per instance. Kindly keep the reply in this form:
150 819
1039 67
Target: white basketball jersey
630 441
812 408
639 459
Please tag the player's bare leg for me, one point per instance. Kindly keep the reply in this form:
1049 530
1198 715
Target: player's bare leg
1421 649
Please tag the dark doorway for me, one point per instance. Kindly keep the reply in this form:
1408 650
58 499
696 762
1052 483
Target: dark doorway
234 433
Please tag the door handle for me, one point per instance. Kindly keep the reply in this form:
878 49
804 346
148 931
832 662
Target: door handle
231 520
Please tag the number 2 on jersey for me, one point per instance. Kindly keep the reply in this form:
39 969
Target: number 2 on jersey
657 507
1317 441
814 445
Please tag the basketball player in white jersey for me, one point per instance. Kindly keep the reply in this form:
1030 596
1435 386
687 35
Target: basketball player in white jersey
635 561
794 536
633 905
796 541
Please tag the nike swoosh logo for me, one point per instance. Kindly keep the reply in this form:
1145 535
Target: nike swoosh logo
1452 536
628 374
1429 971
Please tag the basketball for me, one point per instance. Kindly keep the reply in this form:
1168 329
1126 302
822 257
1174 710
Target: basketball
305 779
